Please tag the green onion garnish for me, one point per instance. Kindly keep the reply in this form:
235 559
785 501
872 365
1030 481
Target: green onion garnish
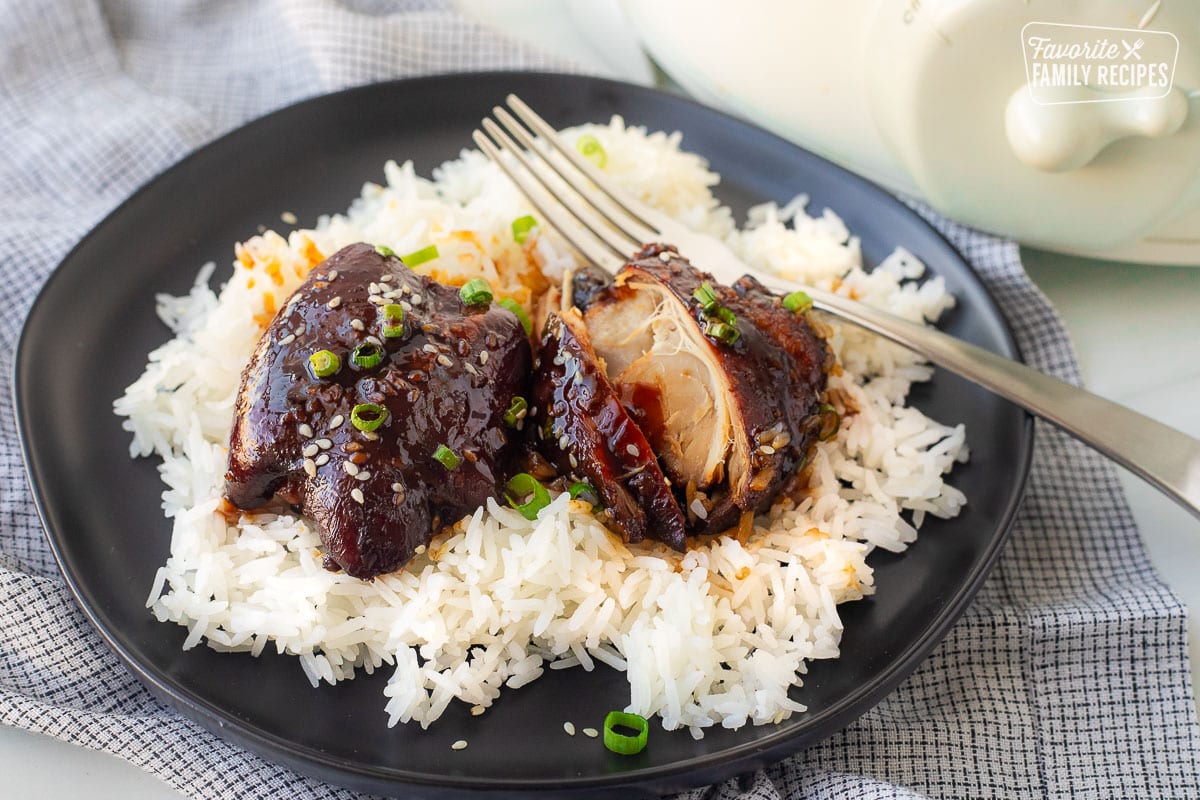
797 302
721 331
446 457
367 416
516 411
521 227
619 742
393 320
579 489
831 420
420 256
324 363
705 296
526 494
476 292
725 315
592 150
385 251
366 355
515 307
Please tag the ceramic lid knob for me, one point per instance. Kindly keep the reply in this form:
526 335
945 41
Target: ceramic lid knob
1063 137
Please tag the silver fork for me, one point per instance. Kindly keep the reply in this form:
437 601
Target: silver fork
607 226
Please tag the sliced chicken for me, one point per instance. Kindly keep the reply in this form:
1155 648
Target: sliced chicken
582 427
724 383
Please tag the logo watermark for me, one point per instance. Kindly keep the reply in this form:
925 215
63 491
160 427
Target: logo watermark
1092 64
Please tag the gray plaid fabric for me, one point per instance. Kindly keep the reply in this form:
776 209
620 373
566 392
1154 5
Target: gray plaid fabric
1057 683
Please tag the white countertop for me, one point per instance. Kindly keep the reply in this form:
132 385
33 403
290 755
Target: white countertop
1136 330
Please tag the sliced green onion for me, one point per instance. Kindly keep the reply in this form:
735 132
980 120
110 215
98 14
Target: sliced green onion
385 251
324 363
831 420
619 742
366 355
592 150
393 320
420 256
516 411
722 332
476 293
706 296
586 491
725 315
521 227
446 457
367 416
797 302
515 307
526 494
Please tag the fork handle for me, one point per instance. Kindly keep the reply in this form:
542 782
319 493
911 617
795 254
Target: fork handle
1161 455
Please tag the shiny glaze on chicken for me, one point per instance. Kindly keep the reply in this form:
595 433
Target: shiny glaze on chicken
378 495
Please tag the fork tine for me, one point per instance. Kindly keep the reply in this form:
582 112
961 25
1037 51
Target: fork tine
647 217
578 182
555 214
575 203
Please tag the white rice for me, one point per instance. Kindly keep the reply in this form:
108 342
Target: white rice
715 637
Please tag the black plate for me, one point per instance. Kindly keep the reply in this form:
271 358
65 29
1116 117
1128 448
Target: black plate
101 509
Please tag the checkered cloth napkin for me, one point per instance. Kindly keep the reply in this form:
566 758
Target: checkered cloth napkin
1056 683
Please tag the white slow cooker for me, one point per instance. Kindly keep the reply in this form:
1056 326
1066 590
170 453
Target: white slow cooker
983 108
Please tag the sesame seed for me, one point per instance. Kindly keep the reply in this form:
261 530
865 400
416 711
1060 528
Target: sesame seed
310 450
310 467
483 356
563 441
305 430
375 340
407 306
334 303
362 476
471 369
373 288
419 549
370 436
767 450
591 733
324 443
573 460
664 257
300 330
385 277
397 487
291 337
429 348
461 744
350 467
289 218
445 361
333 273
357 494
416 299
336 422
569 727
357 324
476 710
632 449
698 509
322 460
384 288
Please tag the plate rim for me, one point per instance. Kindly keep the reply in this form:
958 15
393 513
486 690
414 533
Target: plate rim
322 766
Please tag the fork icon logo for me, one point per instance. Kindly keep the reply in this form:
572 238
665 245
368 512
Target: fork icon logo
1133 50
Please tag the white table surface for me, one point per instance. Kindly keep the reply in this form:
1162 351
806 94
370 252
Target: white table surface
1136 330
